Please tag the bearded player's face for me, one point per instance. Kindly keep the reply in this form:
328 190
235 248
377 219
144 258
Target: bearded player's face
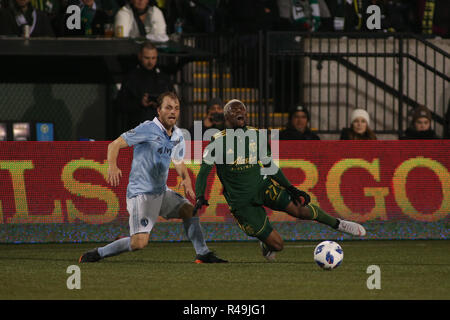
236 117
169 112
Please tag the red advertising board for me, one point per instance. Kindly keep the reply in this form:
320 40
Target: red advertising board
65 182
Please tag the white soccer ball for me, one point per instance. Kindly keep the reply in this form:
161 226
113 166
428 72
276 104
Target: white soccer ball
328 255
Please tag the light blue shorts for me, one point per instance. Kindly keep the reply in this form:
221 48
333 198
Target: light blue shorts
144 209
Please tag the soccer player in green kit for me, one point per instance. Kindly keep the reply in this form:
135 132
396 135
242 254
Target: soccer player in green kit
238 155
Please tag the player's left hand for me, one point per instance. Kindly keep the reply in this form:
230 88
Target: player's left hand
201 201
188 191
114 175
299 197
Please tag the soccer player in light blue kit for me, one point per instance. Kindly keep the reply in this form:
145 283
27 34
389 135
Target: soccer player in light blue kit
156 143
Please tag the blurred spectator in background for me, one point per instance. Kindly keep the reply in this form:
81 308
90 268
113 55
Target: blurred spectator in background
301 15
401 15
141 18
249 16
200 15
18 15
339 12
434 17
136 99
396 15
52 8
298 126
110 7
214 117
93 20
420 127
359 128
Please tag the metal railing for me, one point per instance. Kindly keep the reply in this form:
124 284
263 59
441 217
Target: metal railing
330 73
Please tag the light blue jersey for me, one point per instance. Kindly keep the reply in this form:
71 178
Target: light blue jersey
153 151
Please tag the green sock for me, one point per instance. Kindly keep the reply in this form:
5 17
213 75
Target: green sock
321 216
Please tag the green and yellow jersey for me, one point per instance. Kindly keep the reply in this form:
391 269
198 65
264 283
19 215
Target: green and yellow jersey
238 160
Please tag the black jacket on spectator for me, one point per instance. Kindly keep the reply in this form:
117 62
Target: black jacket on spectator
248 16
291 133
138 82
9 27
411 134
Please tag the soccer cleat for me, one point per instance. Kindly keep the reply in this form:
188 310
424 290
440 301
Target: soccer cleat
209 257
352 228
266 252
90 256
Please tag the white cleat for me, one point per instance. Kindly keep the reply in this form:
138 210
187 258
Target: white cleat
268 254
352 228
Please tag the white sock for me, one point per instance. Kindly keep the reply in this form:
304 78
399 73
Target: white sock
115 248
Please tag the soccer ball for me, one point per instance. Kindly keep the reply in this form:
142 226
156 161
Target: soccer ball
328 255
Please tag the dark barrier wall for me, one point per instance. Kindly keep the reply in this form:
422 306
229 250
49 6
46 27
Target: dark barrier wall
57 191
76 110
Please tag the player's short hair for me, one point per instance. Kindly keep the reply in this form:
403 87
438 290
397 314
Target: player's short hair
171 94
233 103
146 45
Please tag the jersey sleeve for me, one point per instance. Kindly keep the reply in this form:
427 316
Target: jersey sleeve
137 135
202 177
205 169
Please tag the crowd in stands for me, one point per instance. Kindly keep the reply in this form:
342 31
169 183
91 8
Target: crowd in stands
137 101
155 19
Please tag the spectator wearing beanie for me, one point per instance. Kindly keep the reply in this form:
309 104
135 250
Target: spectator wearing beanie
420 127
359 128
298 126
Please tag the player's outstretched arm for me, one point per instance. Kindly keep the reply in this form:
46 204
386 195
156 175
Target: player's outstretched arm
186 183
114 173
200 186
299 197
202 177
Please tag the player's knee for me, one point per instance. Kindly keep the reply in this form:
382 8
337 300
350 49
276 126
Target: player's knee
138 244
186 211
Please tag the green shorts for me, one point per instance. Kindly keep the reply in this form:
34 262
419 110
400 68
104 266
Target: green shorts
252 218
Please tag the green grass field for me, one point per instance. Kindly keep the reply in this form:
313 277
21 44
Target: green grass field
409 270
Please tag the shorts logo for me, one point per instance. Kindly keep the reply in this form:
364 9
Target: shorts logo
144 222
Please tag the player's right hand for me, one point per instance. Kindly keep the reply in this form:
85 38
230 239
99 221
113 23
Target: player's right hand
201 201
298 197
114 175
